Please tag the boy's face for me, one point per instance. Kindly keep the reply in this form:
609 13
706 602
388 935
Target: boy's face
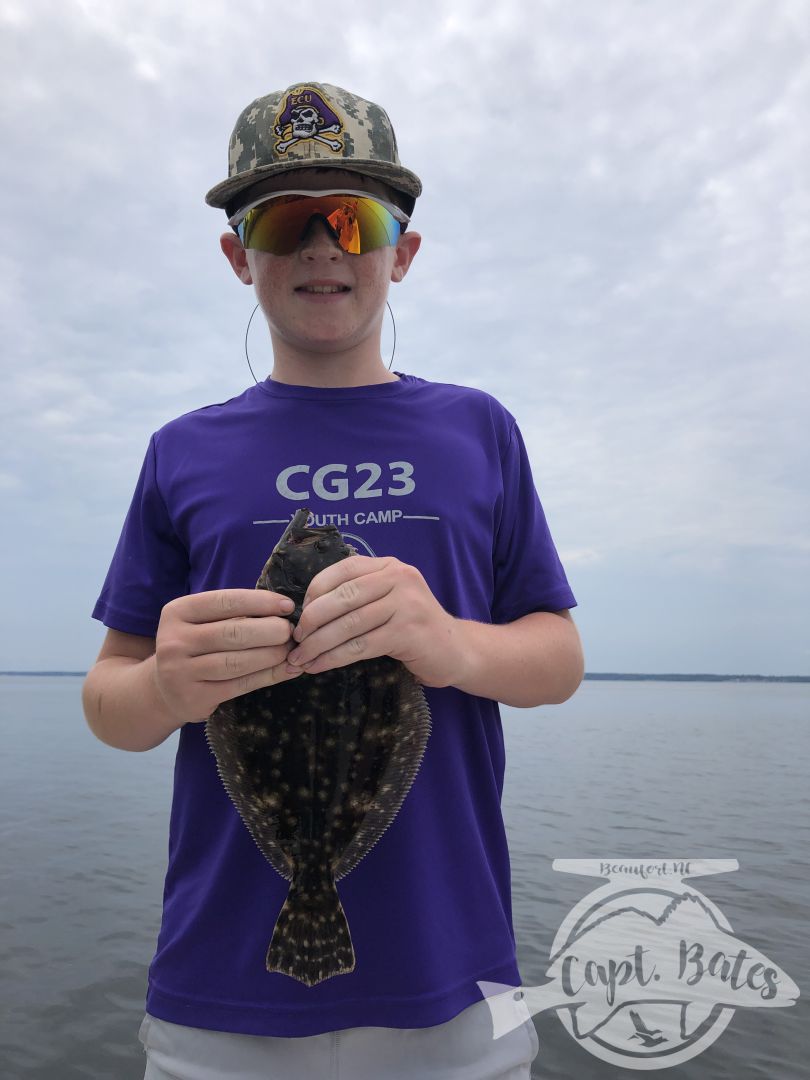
288 287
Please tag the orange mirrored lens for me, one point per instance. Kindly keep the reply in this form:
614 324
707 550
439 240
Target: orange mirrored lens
358 224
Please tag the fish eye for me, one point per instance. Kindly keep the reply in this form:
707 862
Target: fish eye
322 544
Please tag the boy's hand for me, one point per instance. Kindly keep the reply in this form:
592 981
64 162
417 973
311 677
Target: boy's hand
361 607
212 646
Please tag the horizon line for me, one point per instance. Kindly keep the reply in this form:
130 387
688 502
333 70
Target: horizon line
630 676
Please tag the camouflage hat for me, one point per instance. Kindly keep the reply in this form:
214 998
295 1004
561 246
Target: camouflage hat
311 125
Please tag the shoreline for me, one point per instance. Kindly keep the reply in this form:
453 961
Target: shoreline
590 676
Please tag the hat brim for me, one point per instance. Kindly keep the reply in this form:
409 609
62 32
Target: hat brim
400 179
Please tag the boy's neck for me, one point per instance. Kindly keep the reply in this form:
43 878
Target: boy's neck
355 367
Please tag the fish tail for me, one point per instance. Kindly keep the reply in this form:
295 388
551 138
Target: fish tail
311 940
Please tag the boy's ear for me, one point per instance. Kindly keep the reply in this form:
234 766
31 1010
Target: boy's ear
236 255
406 249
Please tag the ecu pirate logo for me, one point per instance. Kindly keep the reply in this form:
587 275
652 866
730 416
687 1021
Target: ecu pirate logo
307 115
645 971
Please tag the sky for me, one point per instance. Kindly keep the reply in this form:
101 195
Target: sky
616 244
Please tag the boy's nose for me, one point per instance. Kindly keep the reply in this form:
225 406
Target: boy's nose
318 239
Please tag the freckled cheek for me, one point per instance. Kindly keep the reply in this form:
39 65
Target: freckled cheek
373 285
275 295
270 276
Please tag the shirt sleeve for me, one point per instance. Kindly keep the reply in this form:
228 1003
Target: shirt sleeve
150 566
528 573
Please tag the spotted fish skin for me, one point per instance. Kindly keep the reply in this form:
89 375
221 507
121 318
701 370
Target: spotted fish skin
317 768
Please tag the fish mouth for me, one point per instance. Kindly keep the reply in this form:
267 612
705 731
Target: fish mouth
297 531
300 535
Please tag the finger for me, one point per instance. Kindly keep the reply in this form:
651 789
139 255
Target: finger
230 635
347 595
331 576
257 680
227 666
351 624
364 647
205 607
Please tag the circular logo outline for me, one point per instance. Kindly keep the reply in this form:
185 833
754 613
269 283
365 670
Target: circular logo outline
704 1035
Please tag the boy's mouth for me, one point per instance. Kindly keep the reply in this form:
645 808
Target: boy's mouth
323 289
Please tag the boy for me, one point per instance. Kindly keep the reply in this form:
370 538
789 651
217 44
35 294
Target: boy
461 583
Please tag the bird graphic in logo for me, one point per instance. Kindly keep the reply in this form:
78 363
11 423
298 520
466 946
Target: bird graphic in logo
647 1035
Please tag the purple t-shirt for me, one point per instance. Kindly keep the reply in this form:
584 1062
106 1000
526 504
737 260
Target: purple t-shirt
437 476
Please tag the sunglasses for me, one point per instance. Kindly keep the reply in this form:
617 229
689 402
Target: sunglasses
359 222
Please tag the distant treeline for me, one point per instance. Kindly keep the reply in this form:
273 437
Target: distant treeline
616 676
604 676
58 673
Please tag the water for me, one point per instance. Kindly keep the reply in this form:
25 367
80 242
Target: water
678 771
667 770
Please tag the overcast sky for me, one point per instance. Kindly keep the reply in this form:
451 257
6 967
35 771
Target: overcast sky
616 223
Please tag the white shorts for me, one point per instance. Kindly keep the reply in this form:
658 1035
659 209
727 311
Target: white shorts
461 1049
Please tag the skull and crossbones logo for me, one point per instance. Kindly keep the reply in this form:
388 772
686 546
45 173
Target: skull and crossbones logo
307 116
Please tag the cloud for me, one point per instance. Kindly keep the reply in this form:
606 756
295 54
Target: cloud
615 220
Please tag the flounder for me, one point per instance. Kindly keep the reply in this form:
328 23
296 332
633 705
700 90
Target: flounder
318 768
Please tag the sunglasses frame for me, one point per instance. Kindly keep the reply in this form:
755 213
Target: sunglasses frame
398 214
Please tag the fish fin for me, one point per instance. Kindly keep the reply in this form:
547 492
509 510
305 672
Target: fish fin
222 735
311 940
506 1005
403 697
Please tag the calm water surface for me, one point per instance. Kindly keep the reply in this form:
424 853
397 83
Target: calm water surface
662 770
